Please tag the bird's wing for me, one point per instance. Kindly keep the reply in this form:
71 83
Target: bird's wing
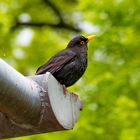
56 62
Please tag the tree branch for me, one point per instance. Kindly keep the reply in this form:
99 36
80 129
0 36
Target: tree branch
58 25
55 9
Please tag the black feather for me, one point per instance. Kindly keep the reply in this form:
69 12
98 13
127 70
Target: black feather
68 65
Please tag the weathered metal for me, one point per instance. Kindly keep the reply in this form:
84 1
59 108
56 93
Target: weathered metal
34 104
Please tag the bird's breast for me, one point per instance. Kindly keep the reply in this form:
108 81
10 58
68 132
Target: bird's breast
82 62
72 71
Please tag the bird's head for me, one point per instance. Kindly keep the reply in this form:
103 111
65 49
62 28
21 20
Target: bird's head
80 42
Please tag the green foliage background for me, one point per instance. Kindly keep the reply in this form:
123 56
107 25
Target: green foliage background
110 88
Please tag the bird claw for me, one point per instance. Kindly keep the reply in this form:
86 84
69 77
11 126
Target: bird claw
65 89
77 96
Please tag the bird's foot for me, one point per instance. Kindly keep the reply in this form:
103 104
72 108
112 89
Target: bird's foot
65 89
77 96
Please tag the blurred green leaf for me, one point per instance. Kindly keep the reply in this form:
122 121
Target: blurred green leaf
110 86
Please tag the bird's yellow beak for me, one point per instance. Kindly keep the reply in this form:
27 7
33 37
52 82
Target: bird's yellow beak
91 37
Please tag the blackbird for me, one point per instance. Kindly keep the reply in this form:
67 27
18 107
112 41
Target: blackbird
68 65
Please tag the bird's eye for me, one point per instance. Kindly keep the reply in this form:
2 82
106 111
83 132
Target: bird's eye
82 43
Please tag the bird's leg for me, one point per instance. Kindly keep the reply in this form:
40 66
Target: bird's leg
65 89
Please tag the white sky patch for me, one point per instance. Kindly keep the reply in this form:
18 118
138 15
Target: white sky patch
77 17
100 55
88 27
18 53
24 37
24 17
3 7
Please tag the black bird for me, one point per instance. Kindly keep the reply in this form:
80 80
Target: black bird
68 65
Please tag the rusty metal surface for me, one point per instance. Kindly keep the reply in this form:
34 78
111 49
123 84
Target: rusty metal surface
19 97
25 104
47 122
